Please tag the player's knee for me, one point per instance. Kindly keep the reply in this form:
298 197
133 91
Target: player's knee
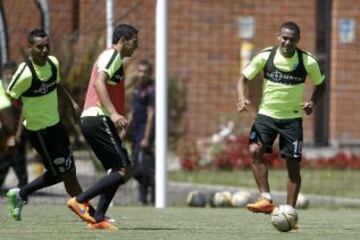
256 151
51 178
128 172
69 176
294 175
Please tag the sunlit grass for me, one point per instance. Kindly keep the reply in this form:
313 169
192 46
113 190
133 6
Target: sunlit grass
57 222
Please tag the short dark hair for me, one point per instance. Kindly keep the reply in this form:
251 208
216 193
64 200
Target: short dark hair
123 30
146 63
292 26
36 33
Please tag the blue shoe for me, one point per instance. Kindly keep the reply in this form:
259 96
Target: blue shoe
15 203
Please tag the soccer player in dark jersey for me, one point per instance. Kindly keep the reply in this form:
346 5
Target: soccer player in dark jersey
36 82
285 68
101 120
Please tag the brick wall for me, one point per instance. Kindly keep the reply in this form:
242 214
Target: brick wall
345 85
20 17
204 49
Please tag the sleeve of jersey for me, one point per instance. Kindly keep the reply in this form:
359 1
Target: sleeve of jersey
256 65
314 70
20 81
109 62
57 64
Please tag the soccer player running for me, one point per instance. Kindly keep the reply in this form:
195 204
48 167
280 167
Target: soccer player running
36 82
285 68
101 120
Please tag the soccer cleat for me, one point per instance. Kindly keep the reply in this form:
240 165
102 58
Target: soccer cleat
105 225
15 203
80 209
263 205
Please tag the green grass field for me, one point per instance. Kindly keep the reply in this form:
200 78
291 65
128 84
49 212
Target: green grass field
57 222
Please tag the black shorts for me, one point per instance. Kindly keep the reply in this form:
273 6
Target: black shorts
266 129
53 145
100 132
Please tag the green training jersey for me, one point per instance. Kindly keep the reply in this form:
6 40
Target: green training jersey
284 78
40 108
4 100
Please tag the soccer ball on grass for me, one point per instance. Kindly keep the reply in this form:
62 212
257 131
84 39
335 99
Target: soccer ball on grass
220 199
284 218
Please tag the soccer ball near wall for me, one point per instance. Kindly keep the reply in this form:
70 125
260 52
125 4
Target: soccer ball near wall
220 199
302 202
241 199
196 199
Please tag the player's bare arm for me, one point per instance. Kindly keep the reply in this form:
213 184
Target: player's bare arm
149 124
19 128
100 86
242 101
74 104
76 108
318 93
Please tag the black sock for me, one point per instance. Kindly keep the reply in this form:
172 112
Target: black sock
45 180
104 202
91 210
109 181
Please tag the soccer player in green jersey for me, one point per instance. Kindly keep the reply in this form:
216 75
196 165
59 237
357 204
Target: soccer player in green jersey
36 82
285 68
102 118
